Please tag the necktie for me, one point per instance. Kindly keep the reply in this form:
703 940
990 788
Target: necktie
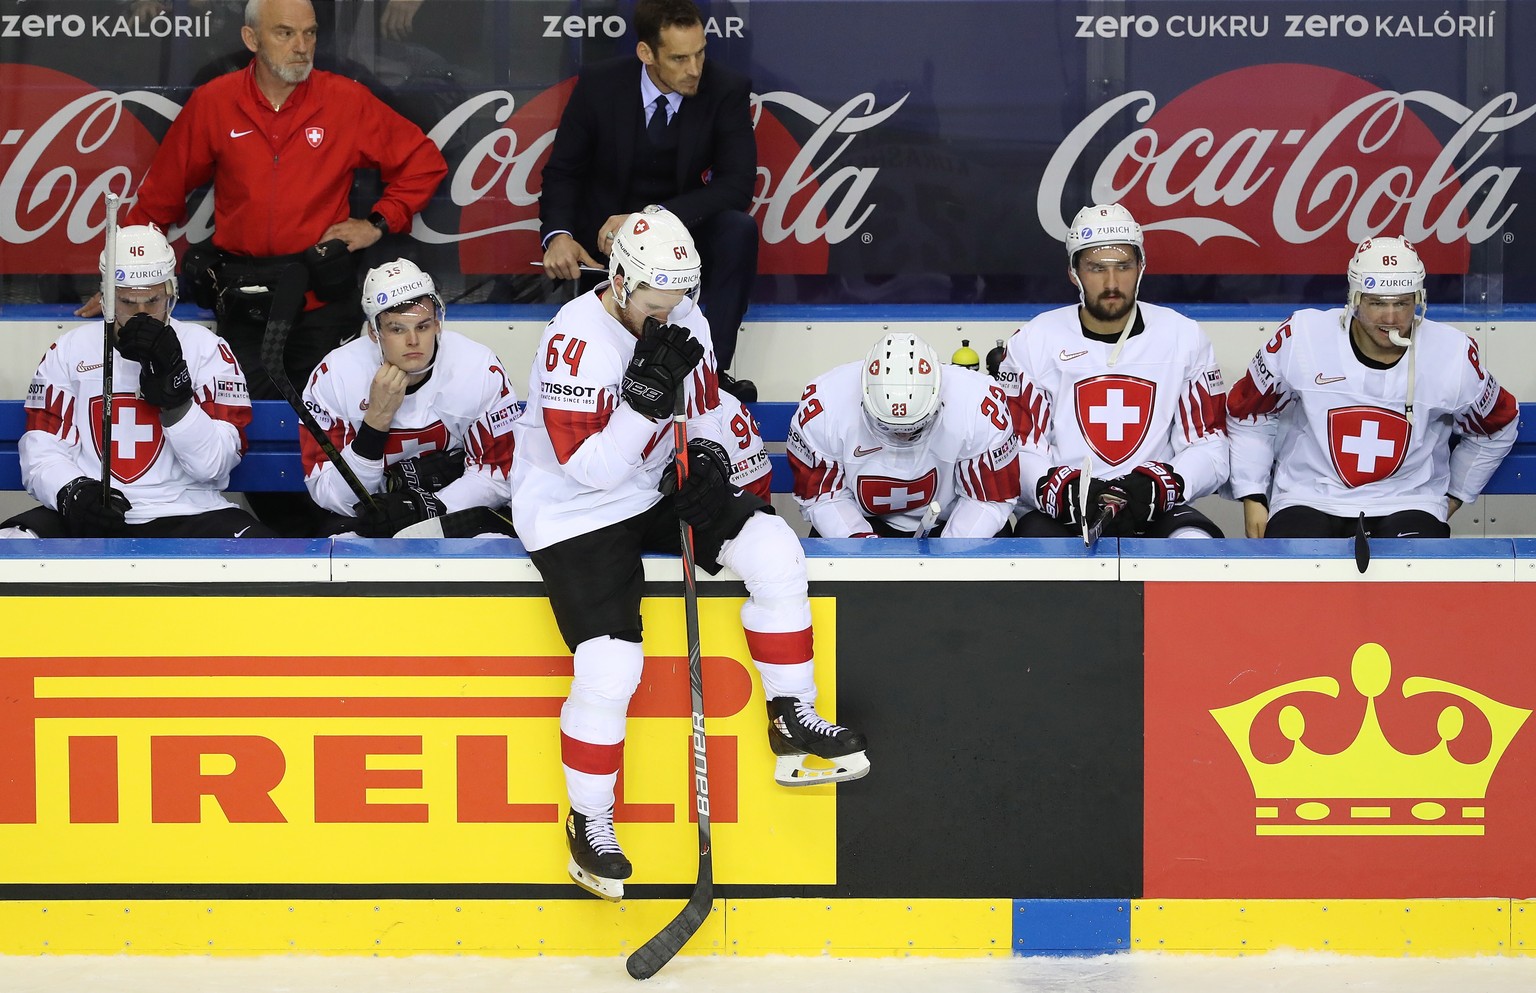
656 130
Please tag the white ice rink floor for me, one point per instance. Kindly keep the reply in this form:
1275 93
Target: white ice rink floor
1126 973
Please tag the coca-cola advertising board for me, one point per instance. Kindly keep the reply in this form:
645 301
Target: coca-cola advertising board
908 151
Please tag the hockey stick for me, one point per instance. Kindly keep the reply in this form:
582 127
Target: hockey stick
1082 500
1109 508
466 523
287 303
930 517
108 330
1362 544
648 959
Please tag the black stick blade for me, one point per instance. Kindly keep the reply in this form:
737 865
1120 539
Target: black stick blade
1362 544
647 960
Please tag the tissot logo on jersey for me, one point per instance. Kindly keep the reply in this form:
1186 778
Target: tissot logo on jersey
231 390
1367 443
1113 413
570 391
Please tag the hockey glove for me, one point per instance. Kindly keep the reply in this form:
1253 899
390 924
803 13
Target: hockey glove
163 377
664 356
705 491
1151 488
85 514
430 472
393 512
1057 494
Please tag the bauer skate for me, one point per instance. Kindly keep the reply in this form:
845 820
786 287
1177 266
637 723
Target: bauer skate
799 736
597 864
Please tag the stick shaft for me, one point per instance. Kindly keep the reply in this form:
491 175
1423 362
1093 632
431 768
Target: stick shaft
108 331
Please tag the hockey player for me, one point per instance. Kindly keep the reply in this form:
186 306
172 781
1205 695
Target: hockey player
1129 389
179 413
422 415
874 444
1351 412
593 447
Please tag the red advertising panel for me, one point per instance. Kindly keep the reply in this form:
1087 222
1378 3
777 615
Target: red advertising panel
1351 741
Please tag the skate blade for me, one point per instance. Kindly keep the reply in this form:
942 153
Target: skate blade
611 890
798 770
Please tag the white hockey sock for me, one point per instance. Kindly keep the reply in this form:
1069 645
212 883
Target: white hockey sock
1187 532
592 718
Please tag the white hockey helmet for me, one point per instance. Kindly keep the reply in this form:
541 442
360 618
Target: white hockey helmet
901 387
1387 267
1103 224
653 248
395 284
142 257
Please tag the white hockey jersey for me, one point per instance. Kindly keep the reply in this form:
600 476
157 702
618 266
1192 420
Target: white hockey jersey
732 425
1162 401
846 472
1314 426
585 459
164 471
467 402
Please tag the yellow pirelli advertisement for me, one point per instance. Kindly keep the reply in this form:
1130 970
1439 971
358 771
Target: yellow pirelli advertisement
370 740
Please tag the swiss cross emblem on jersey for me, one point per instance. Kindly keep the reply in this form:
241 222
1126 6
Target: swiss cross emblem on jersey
1113 413
883 495
137 437
1367 443
407 443
314 136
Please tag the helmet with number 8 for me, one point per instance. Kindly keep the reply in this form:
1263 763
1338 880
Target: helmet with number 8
142 258
1386 267
653 248
395 284
901 388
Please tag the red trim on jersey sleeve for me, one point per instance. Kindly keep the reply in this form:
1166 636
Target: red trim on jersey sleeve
1209 410
484 448
992 484
568 429
313 455
594 760
55 416
1505 409
237 414
762 486
781 647
810 482
1245 400
1030 414
706 384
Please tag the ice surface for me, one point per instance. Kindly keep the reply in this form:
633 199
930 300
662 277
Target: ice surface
1124 973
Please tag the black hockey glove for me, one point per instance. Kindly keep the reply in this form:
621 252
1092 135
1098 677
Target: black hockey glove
163 377
85 514
664 356
430 472
704 492
1151 488
1057 493
392 512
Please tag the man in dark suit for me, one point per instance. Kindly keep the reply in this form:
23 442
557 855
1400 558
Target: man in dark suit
667 128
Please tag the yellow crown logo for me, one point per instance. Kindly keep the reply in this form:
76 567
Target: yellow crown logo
1370 787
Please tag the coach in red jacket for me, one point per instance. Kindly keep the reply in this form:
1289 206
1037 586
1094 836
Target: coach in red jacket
281 141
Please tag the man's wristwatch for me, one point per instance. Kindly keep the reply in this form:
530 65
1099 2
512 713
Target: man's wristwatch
378 221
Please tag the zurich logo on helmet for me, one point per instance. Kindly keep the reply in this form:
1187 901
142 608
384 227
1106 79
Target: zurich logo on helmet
382 298
1087 233
661 279
1370 282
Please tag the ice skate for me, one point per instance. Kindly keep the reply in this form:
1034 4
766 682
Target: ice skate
799 737
597 864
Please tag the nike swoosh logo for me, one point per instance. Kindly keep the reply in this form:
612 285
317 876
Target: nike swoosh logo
1322 380
1068 357
1407 534
242 531
239 134
859 453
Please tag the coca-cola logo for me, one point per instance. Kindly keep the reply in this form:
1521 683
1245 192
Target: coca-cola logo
1310 162
804 199
67 144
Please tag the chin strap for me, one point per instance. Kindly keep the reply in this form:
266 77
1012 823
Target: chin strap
1130 322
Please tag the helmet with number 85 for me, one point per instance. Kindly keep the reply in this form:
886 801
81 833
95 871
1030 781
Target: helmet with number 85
901 388
653 248
395 284
1386 267
142 258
